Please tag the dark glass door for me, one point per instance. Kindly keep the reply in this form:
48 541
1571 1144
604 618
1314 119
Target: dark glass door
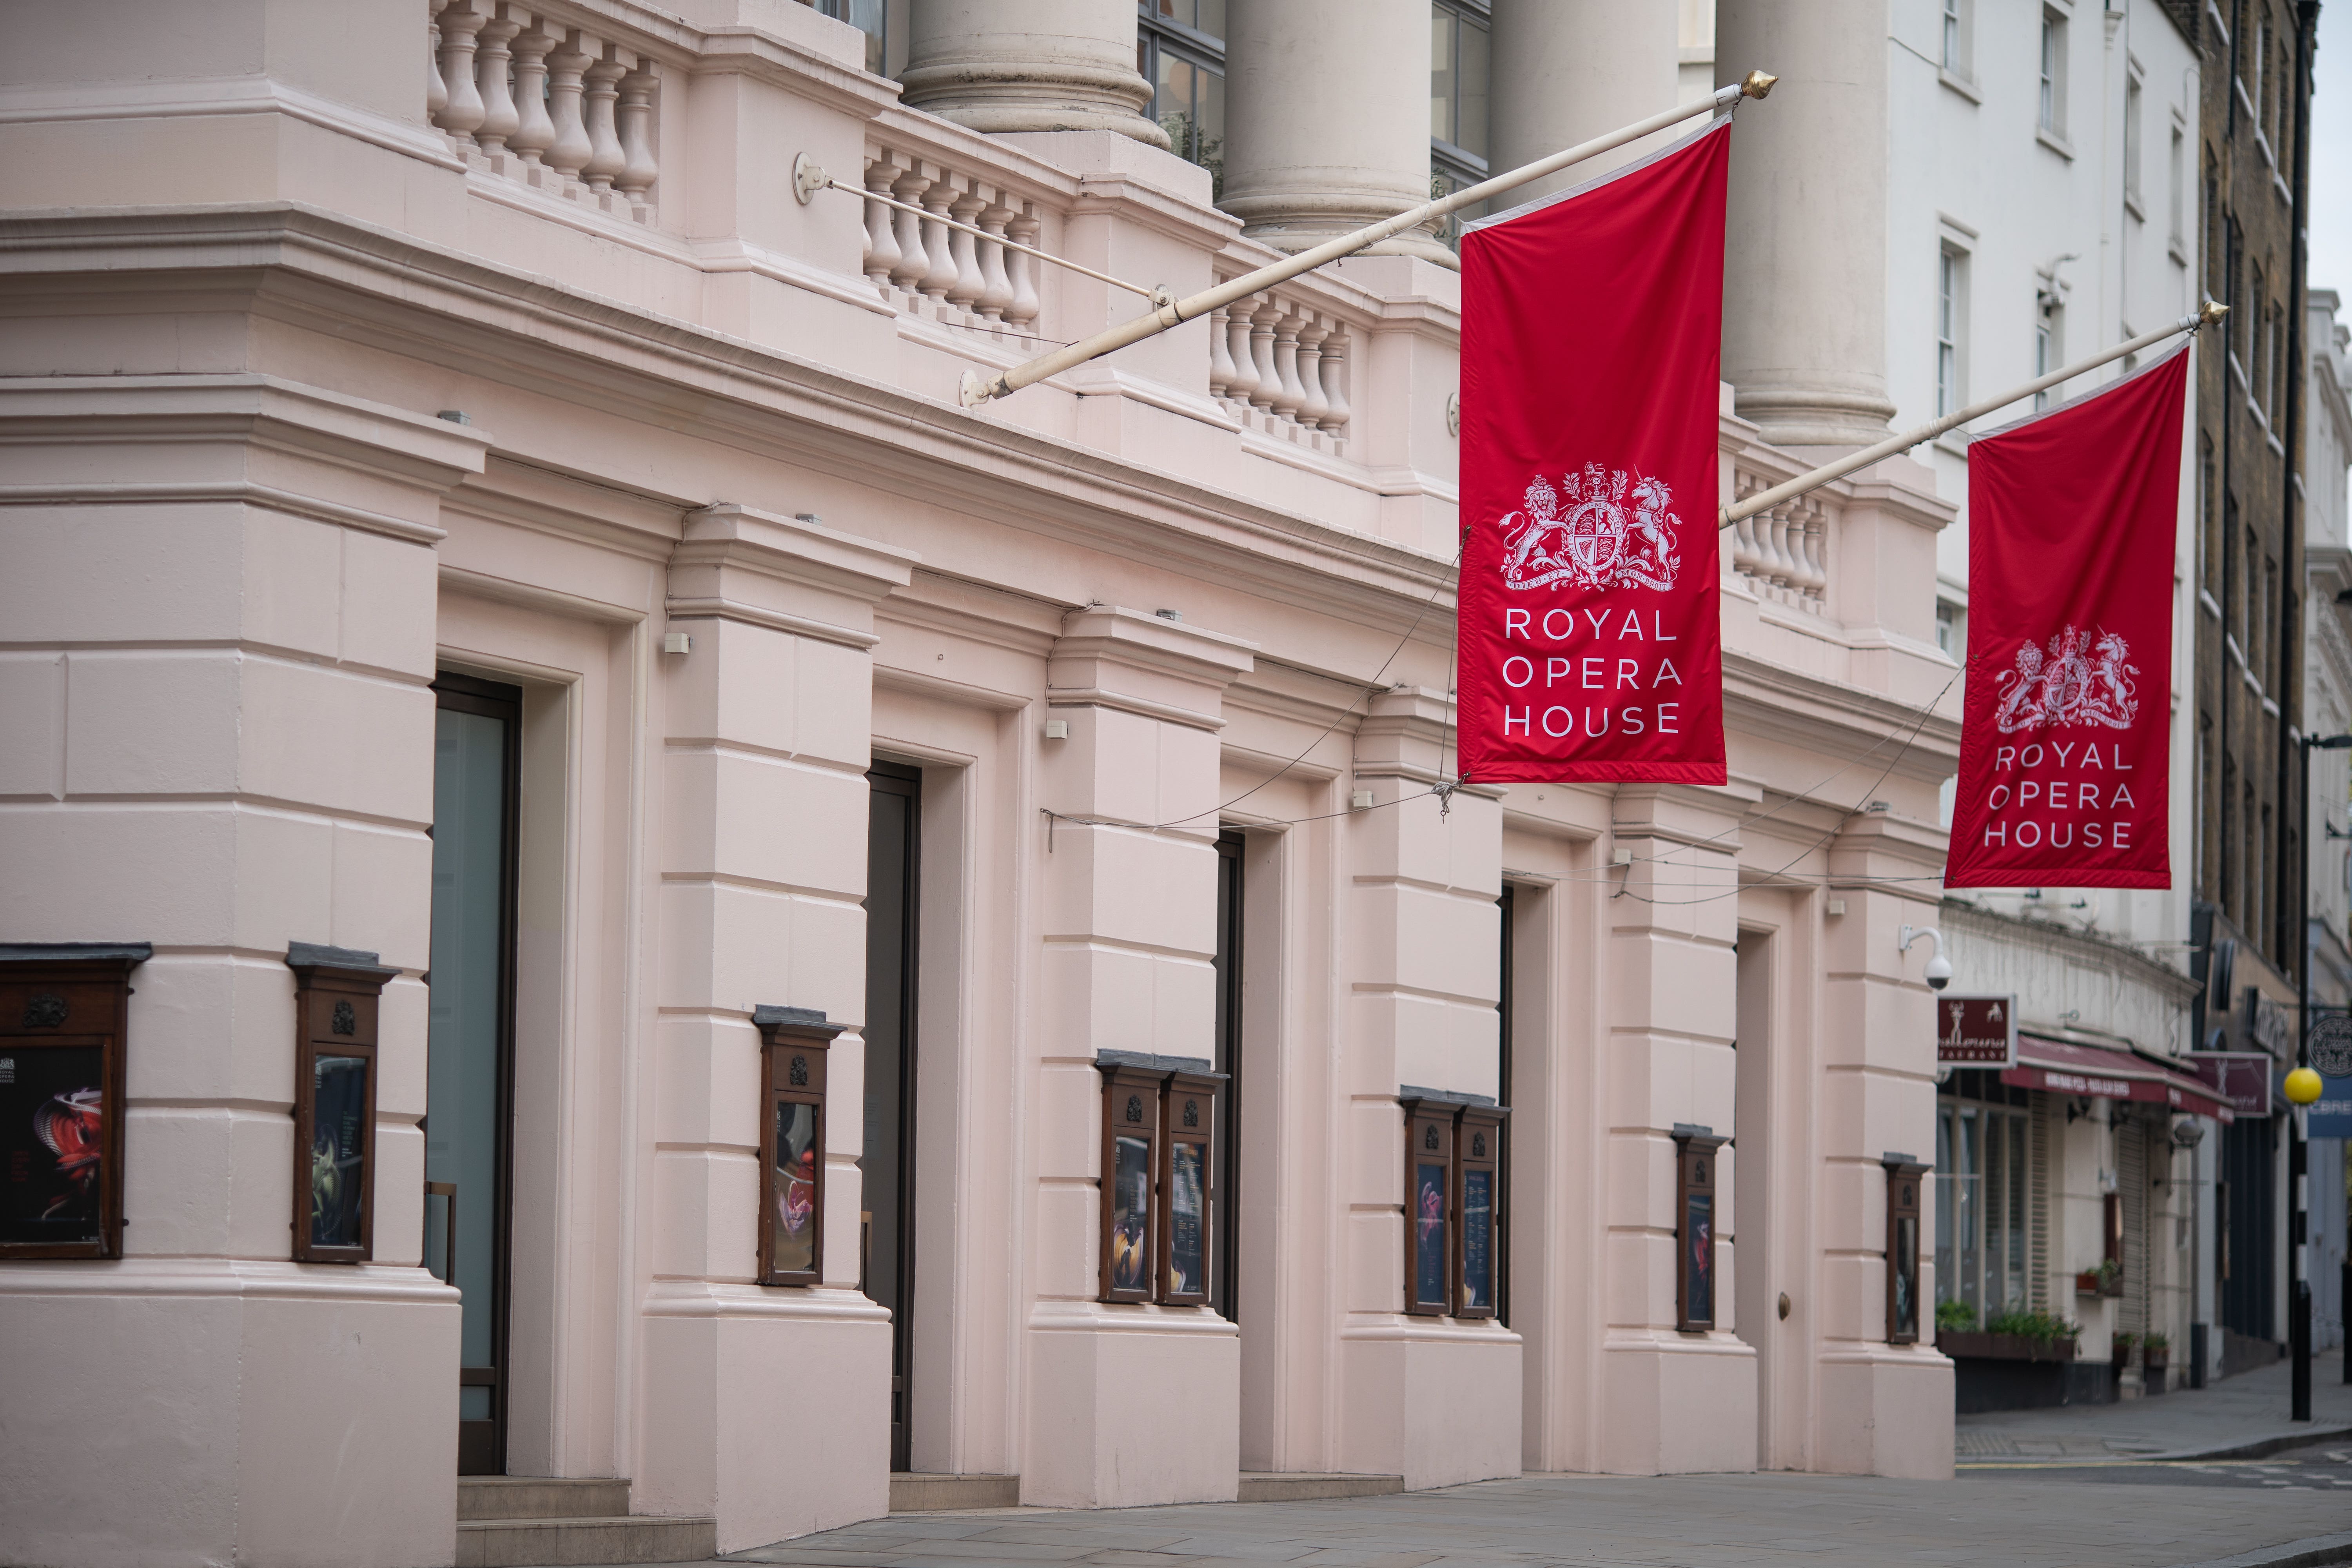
469 1081
1224 1205
888 1165
2249 1228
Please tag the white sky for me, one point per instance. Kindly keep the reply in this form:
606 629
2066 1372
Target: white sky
2331 152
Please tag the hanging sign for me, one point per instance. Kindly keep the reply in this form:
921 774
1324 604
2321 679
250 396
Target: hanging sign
1591 334
1976 1031
2064 736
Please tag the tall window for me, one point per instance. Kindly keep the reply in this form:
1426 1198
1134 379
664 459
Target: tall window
1981 1165
2131 140
1951 311
2048 345
1180 48
869 17
1460 72
1953 56
2173 190
1226 1184
2052 106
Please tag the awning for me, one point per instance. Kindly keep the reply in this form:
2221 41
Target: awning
2064 1068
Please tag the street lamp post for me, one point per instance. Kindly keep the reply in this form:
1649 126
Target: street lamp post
2298 1149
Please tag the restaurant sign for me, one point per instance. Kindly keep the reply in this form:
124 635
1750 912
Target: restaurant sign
2241 1078
1976 1031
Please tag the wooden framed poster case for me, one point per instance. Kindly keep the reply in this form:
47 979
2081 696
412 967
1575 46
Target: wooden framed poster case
795 1047
336 994
1906 1180
1695 1225
65 1010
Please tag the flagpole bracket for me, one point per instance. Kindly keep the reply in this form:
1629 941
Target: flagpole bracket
808 178
1757 84
975 390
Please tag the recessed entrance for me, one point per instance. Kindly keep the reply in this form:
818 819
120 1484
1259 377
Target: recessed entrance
887 1164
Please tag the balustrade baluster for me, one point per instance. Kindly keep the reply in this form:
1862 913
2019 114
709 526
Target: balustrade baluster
436 91
1816 561
491 60
912 264
534 132
1292 394
462 112
638 169
1221 357
568 152
1334 381
996 288
942 274
881 239
1316 403
1025 307
1269 377
606 158
1244 384
970 283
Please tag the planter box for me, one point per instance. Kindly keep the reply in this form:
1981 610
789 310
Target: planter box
2002 1347
2087 1284
2155 1368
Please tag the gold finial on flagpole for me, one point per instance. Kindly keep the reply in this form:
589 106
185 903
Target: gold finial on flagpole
2210 312
1757 85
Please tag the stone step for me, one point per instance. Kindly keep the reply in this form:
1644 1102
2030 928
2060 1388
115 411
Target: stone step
562 1542
541 1496
914 1491
1300 1486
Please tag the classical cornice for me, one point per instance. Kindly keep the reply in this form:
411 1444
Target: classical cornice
1770 701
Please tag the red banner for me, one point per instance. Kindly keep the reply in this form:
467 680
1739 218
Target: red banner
2065 733
1591 336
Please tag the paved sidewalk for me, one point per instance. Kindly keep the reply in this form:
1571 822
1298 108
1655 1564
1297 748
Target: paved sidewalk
2223 1419
2029 1520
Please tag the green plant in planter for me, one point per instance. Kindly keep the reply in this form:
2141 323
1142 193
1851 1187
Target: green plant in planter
2124 1342
2042 1328
2155 1343
2111 1276
1958 1316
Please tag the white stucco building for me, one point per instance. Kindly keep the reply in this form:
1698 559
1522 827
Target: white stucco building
466 511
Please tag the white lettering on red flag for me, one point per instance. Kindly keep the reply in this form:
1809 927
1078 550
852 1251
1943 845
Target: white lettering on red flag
1591 334
2065 739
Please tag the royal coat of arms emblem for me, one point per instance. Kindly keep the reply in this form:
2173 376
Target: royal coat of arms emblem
2082 681
1612 529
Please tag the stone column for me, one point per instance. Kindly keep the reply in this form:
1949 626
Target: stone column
1327 127
1029 65
1568 71
1129 1404
1804 286
767 738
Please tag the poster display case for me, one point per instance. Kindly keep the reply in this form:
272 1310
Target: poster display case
794 1043
1694 1226
1188 1133
1905 1179
1454 1224
64 1026
1159 1178
336 994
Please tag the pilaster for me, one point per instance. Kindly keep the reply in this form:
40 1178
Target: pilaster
1129 1404
762 861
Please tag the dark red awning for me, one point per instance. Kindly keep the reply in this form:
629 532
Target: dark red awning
2062 1067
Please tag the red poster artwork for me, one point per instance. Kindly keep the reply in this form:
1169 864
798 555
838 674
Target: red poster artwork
2065 733
1592 335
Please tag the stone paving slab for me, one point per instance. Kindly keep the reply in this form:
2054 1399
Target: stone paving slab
2240 1415
2030 1518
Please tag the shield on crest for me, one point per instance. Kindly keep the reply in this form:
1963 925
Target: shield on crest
1596 538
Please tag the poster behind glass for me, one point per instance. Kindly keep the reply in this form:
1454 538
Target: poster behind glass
1906 1277
1698 1236
1478 1241
1130 1214
795 1192
1188 1272
337 1125
1429 1233
52 1137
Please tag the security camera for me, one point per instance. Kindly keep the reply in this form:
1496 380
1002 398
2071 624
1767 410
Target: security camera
1940 968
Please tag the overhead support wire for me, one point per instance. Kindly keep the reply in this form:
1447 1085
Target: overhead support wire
1167 312
1765 500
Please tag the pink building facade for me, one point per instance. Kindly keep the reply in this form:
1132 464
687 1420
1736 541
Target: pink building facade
516 539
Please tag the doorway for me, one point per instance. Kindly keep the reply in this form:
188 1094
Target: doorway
887 1234
469 1069
1225 1196
1756 1305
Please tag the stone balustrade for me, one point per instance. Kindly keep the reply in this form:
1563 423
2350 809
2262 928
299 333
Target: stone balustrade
540 97
1280 364
1783 554
924 267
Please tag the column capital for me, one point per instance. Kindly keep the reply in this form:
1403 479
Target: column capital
787 573
1111 657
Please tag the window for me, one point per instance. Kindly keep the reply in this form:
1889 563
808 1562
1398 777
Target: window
1981 1201
1951 317
2052 103
869 17
1453 1160
1180 48
1158 1177
795 1042
2173 190
1954 54
1947 629
1231 965
2131 142
2049 343
1460 62
2209 564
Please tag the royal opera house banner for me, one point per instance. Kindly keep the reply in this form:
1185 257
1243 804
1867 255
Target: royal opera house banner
1591 333
2065 731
